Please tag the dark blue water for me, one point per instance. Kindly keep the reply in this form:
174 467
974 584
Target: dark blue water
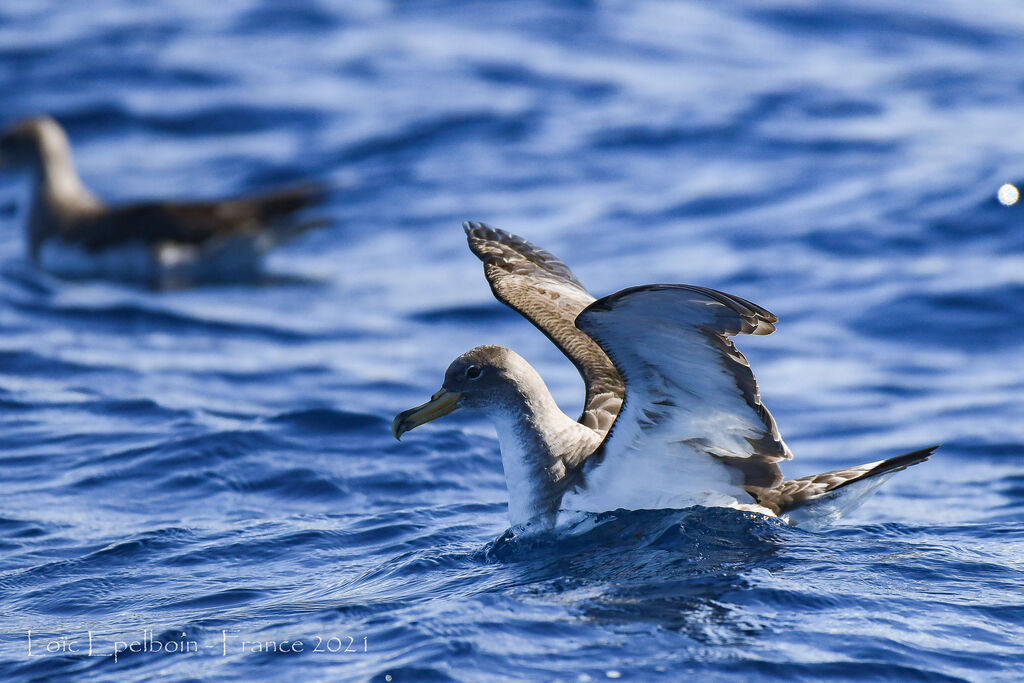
212 469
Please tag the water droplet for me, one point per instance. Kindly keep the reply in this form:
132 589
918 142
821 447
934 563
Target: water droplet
1008 195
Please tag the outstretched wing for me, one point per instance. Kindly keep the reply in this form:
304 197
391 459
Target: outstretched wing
545 292
190 222
692 406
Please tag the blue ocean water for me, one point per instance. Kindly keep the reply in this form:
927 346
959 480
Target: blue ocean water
209 473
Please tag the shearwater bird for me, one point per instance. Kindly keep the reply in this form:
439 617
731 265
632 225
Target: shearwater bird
72 234
672 416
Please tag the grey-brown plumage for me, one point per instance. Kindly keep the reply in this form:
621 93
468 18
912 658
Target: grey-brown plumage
544 291
673 415
65 213
791 495
190 222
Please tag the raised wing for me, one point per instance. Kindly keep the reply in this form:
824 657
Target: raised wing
190 222
545 292
691 397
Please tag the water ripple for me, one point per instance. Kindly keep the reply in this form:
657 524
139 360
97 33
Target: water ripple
216 465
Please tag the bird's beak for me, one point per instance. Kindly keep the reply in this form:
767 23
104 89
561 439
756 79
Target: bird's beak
439 405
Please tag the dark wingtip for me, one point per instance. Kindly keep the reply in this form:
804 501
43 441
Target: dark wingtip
903 461
920 455
481 230
760 320
311 192
477 232
896 464
283 200
491 245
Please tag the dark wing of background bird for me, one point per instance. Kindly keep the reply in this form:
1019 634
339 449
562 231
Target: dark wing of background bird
545 292
197 222
689 392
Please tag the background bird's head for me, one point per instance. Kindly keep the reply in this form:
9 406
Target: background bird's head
29 142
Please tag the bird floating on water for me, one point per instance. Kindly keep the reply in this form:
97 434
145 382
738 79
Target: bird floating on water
72 234
672 416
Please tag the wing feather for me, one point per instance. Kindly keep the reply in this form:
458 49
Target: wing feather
544 291
189 222
689 392
796 493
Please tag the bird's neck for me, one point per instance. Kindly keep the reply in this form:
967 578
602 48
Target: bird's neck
58 194
54 166
541 451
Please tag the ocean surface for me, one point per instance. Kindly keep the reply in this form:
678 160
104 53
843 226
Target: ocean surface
207 476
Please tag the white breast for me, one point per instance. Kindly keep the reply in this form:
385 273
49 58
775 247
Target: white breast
653 480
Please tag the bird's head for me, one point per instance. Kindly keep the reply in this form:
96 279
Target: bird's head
26 143
487 379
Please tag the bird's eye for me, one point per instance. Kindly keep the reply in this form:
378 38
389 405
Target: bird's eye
473 372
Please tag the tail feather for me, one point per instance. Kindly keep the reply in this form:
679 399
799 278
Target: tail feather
286 232
276 213
821 499
897 464
281 202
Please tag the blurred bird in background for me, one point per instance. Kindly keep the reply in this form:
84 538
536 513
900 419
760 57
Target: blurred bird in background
72 234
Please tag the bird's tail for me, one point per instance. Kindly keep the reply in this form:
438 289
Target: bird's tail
821 499
286 231
283 201
278 209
